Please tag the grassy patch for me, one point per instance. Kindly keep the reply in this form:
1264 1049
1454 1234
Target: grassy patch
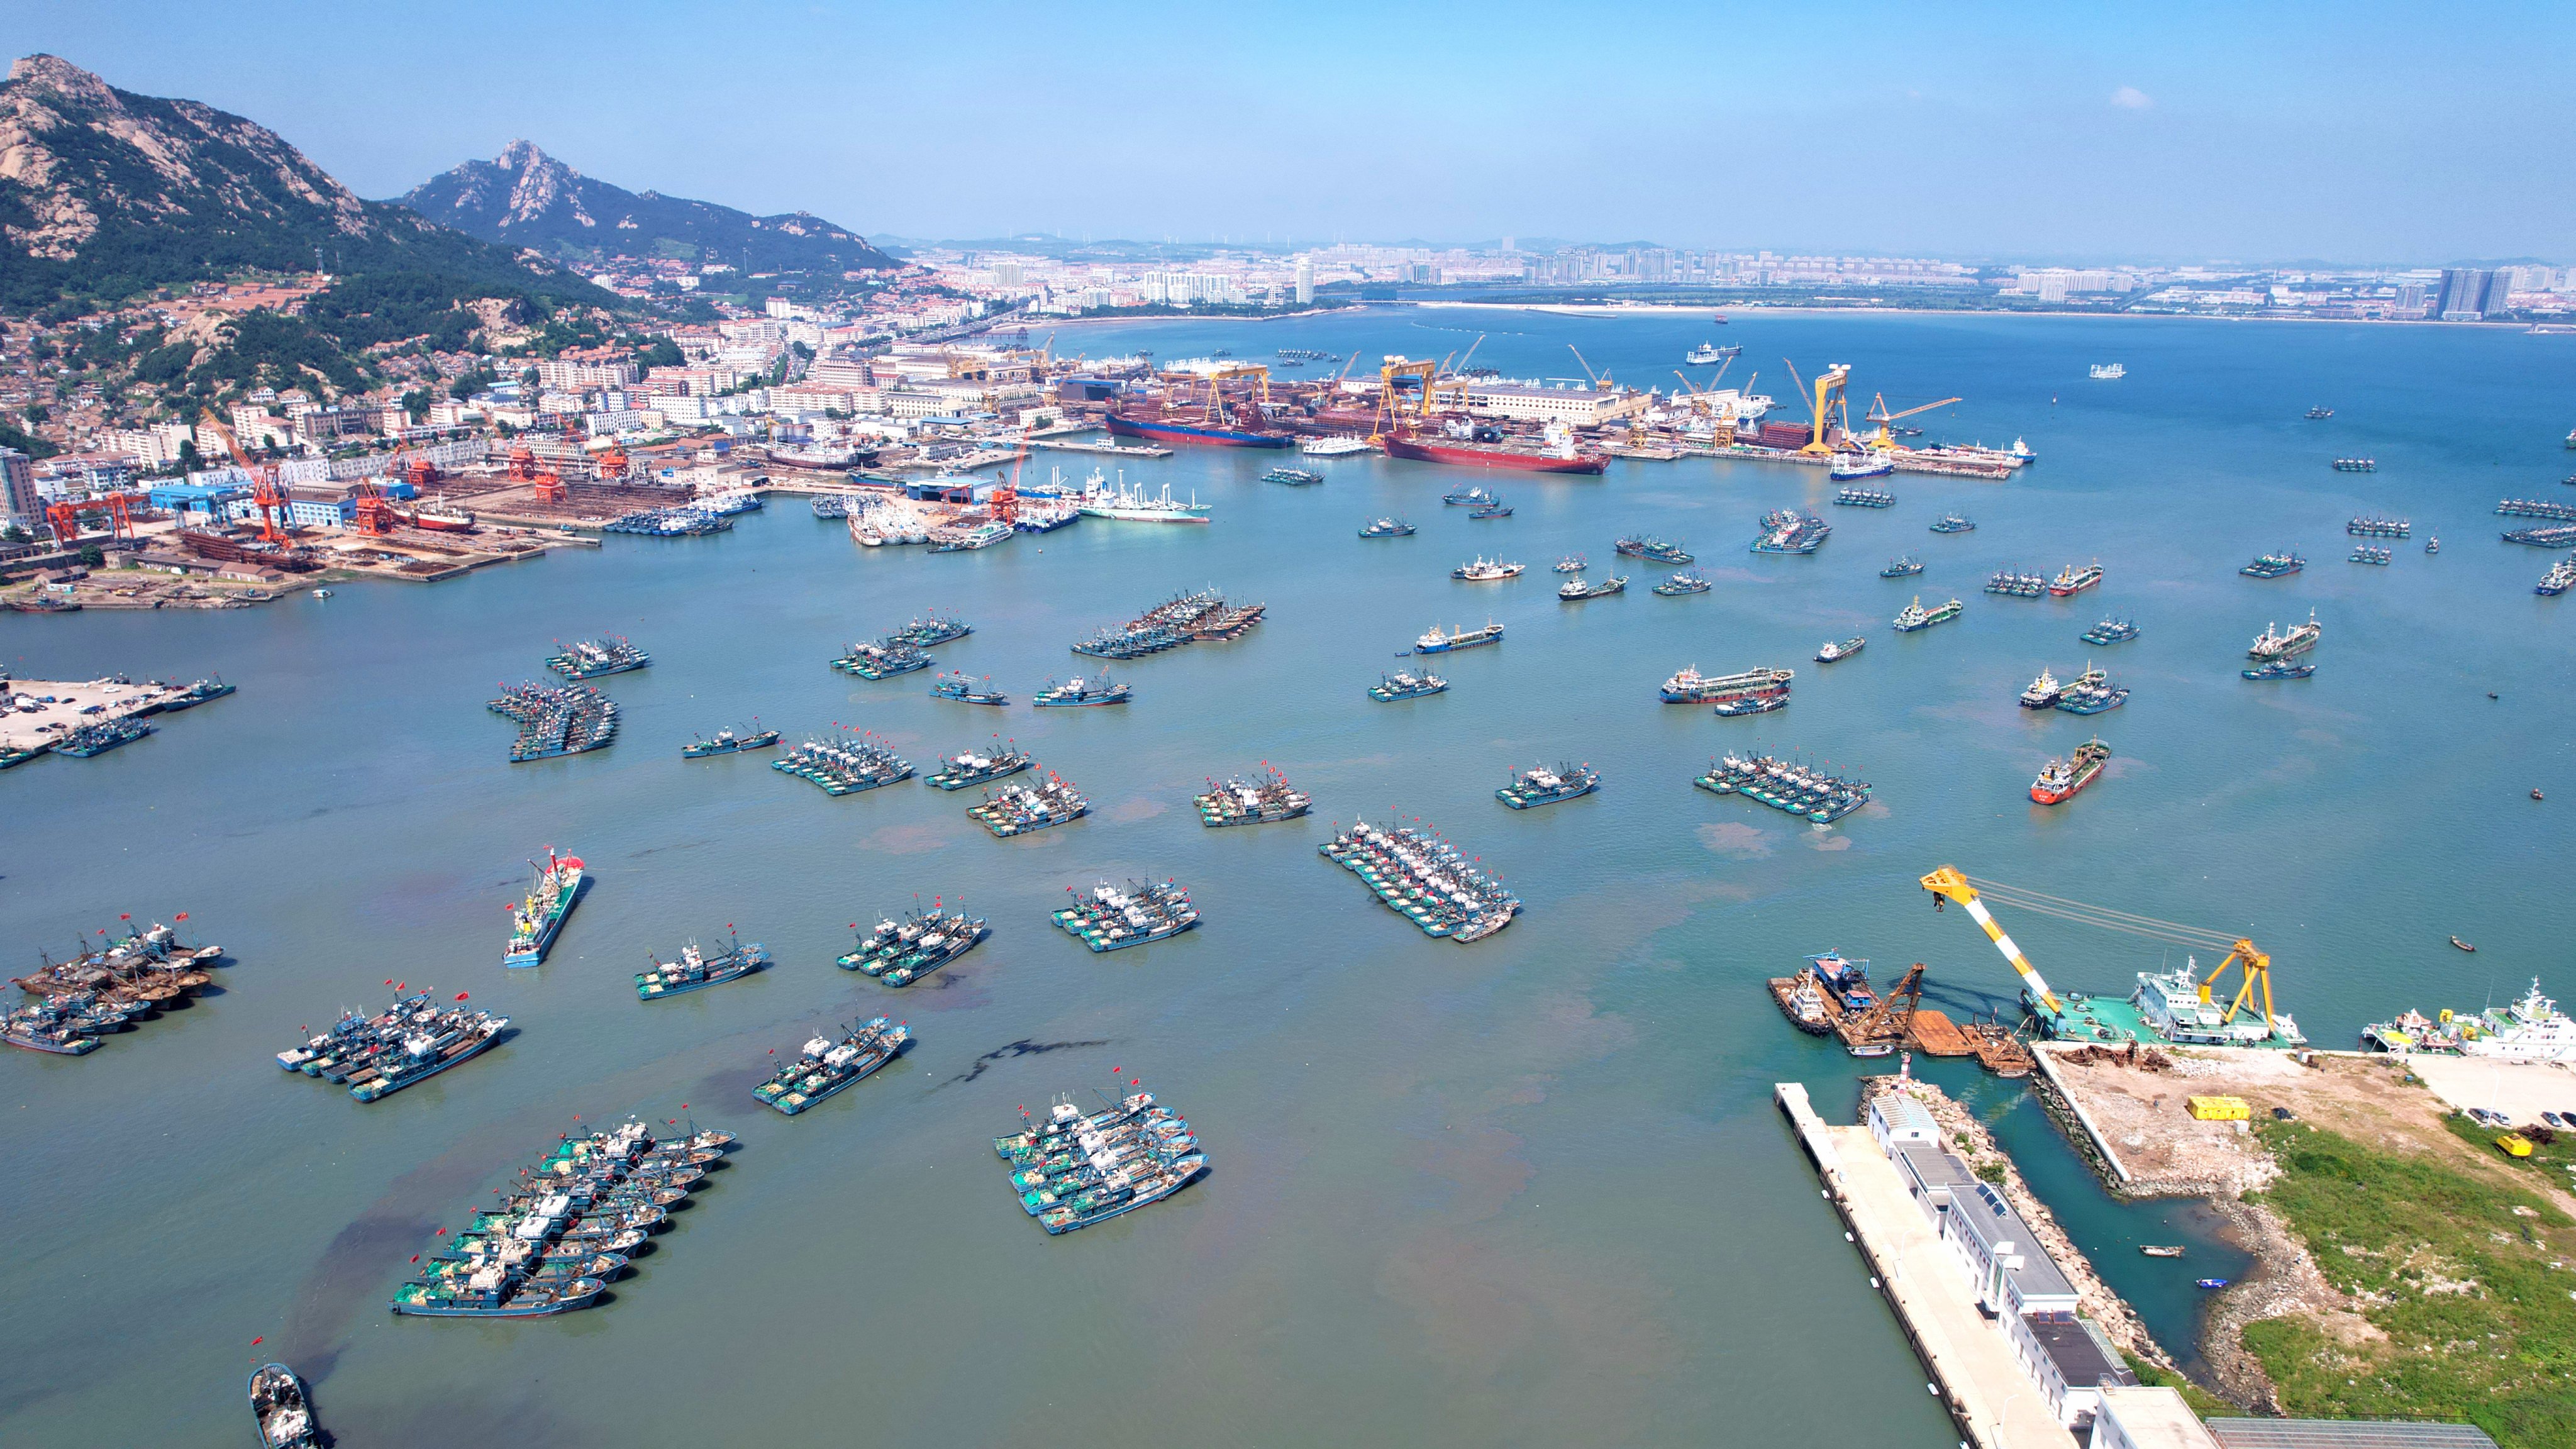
2477 1301
2548 1160
2202 1401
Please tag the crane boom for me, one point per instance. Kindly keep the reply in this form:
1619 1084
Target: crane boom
1947 881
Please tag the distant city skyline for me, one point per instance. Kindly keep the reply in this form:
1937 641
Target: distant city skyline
2331 135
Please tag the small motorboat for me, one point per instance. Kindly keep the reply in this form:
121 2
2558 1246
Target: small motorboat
285 1418
2463 945
326 593
2209 1282
2156 1250
2536 795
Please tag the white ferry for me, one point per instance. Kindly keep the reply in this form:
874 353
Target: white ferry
1134 506
2531 1030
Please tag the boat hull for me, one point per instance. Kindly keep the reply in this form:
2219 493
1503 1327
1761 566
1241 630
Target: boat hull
1471 455
1165 431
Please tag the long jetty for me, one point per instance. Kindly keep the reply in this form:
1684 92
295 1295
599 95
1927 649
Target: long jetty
1994 1403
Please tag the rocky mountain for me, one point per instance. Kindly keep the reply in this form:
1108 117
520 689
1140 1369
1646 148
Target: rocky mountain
105 194
526 198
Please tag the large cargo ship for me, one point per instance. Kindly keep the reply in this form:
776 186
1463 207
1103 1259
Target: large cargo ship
1561 457
1162 427
535 921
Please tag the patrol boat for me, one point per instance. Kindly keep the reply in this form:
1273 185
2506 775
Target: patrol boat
535 920
1405 684
1542 786
591 658
899 953
826 1066
695 969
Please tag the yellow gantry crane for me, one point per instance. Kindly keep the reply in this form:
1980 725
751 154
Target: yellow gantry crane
1883 440
1390 403
1827 388
2241 954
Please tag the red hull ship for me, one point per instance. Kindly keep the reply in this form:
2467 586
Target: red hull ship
1194 428
1490 455
2062 781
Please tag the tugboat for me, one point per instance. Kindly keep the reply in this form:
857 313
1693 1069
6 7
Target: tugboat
2273 565
827 1066
1573 563
1682 583
591 658
1841 649
726 742
2044 692
1293 477
965 768
1388 527
2060 780
2280 669
1655 549
1542 786
1079 691
2111 631
899 953
2273 644
1575 590
1496 509
278 1404
535 921
955 685
1405 684
1468 497
1111 919
1242 801
1953 523
696 970
1914 616
1902 568
2071 580
1437 642
1484 570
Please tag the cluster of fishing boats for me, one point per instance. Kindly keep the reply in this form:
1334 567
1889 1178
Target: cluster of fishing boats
2273 565
967 767
1197 617
2371 525
2016 585
591 658
1017 809
827 1065
882 658
564 1227
901 952
1112 918
2368 554
696 970
689 521
1788 530
1405 684
412 1039
2111 631
1540 785
1865 498
1786 785
1074 1170
104 989
1953 523
83 742
557 720
845 766
1424 878
1653 549
955 685
1242 800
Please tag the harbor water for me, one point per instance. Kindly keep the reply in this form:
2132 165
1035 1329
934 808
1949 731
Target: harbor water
1528 1191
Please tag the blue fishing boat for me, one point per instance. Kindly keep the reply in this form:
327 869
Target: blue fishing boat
1953 523
955 685
726 742
1080 691
1903 568
695 970
1388 527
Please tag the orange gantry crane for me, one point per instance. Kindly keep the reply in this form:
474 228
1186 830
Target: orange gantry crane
265 495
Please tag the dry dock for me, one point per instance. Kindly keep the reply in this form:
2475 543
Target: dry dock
1994 1403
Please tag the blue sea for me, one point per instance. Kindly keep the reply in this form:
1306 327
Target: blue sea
1529 1191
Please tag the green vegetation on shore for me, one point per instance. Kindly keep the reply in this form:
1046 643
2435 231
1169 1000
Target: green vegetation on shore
2470 1284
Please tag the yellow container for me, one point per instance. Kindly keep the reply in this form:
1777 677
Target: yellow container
2514 1144
2220 1109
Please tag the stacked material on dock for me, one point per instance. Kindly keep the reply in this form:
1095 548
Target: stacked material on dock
899 953
826 1066
1021 807
1072 1170
103 990
2537 508
1245 801
1424 878
560 720
377 1056
847 765
1786 785
882 658
1182 619
1112 918
570 1223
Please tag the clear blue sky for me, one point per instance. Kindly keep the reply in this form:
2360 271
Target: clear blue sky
2359 132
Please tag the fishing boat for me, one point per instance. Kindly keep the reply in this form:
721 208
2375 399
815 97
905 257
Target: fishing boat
826 1067
1573 563
1751 704
966 767
2273 565
2043 693
2071 580
2463 945
536 919
1539 785
1293 477
1240 800
1649 547
1020 808
1788 531
696 970
1388 527
2161 1251
1902 568
1113 918
192 696
1953 523
592 658
1079 691
2433 543
2274 644
726 742
1405 684
2060 780
1914 616
1437 642
1841 648
46 1028
1575 590
955 685
2280 669
279 1406
2111 631
421 1047
1689 686
1682 583
1467 497
97 739
1483 570
2092 692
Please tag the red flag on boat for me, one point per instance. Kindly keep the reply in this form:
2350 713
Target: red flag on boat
460 996
256 1342
183 915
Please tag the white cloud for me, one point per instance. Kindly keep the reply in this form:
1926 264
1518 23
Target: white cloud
2130 98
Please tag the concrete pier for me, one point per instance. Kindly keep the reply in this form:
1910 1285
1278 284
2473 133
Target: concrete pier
1994 1403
